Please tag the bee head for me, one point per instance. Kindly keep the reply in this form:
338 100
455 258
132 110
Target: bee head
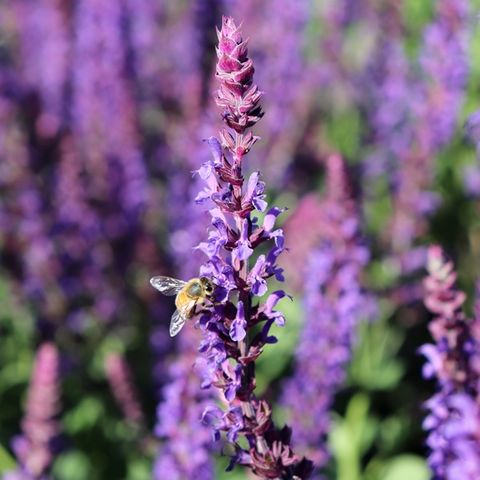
207 285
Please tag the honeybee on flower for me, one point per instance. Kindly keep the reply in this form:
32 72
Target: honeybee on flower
189 294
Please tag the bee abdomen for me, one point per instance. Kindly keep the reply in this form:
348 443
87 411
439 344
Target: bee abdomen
185 304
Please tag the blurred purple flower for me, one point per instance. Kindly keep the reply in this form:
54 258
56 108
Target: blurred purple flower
434 103
121 383
389 115
72 219
471 173
472 128
306 212
453 421
44 58
103 111
229 348
185 451
334 305
471 180
35 448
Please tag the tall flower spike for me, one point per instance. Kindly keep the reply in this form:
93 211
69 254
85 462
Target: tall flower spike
334 304
453 421
435 101
237 96
44 31
184 452
121 383
34 449
231 340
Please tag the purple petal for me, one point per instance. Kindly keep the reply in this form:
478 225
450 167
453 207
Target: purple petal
270 217
216 150
237 329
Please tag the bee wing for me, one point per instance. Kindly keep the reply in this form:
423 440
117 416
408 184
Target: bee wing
167 285
177 322
180 316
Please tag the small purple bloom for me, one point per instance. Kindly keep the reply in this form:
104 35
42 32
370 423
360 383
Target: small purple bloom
334 304
243 250
34 449
256 192
237 330
256 277
186 444
121 383
453 420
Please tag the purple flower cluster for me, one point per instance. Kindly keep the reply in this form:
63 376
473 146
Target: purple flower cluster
73 177
334 305
120 378
105 124
236 329
186 451
392 77
35 449
453 421
434 105
44 35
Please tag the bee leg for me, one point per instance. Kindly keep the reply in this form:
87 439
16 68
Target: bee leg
199 311
205 308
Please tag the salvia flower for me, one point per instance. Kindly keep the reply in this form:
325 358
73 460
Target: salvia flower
35 448
434 105
72 218
334 305
121 383
185 452
44 58
231 343
453 421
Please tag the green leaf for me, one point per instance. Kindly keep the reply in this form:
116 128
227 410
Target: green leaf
416 15
84 415
139 469
375 365
405 467
7 463
350 437
343 131
73 465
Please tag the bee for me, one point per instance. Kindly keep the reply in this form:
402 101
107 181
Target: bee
188 296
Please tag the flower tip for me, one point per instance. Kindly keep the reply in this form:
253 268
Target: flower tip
229 23
434 258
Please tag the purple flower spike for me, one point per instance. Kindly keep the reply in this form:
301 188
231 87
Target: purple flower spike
237 330
237 96
34 448
185 450
120 379
453 421
334 305
434 101
231 342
